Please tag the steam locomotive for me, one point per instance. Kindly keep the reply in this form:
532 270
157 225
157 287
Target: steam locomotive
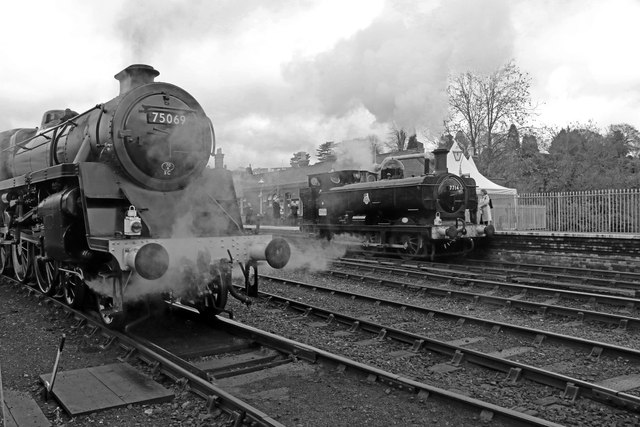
117 202
416 217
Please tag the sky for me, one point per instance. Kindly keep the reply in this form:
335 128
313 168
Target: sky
281 76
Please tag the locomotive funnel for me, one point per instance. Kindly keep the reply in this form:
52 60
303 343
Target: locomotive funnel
440 155
136 75
150 261
277 252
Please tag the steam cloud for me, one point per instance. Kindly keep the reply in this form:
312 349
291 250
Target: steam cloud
397 68
392 72
313 255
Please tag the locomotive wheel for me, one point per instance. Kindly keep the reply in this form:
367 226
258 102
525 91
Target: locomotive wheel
109 319
412 245
22 256
47 272
74 288
4 258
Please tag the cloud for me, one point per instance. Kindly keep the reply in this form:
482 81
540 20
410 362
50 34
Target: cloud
397 68
282 76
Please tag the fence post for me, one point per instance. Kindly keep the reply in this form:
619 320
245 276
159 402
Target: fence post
609 228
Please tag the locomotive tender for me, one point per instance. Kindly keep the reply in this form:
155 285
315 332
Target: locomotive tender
415 217
118 202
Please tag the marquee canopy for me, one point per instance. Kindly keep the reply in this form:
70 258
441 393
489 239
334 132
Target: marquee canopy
464 165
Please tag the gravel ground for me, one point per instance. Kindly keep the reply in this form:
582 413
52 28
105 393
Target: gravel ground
29 345
29 336
583 412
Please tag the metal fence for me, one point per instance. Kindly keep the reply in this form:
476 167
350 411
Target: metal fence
599 211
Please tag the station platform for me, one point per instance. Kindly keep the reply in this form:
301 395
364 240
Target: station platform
572 234
540 233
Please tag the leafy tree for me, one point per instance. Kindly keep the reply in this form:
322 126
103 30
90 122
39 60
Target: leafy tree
483 105
529 146
300 159
326 152
583 159
513 139
631 137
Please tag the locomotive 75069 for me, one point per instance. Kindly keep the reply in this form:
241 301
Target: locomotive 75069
118 202
420 216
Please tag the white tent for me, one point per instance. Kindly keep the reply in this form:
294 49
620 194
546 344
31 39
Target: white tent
464 165
504 199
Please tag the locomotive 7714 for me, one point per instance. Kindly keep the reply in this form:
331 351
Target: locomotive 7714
420 216
117 202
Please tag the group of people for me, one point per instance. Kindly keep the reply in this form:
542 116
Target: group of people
276 212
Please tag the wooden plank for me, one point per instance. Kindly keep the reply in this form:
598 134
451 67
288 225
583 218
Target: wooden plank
83 391
79 392
130 385
237 361
22 411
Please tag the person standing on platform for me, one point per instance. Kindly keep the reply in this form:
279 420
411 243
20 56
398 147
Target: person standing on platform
276 211
248 214
485 206
294 213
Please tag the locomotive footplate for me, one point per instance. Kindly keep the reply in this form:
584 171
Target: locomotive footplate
435 232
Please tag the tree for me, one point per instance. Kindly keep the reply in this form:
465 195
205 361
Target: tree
446 141
463 142
513 139
630 135
326 152
300 159
483 105
466 108
529 146
397 139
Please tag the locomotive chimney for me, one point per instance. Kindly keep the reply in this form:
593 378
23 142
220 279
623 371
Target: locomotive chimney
135 75
440 155
219 159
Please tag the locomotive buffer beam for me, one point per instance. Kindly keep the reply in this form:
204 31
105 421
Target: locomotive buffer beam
117 292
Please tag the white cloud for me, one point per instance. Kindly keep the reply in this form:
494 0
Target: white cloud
282 76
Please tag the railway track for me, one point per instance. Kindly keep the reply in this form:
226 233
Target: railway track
498 290
576 368
618 281
212 359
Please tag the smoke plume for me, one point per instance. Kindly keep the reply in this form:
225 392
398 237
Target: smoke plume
397 68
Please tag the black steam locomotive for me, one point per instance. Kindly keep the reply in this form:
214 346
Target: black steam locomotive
415 217
117 202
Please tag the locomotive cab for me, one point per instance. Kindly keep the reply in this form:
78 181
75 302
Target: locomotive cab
391 169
